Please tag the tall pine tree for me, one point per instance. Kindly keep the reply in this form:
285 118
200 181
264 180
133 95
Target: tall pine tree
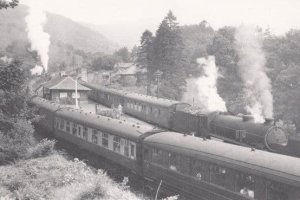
145 56
169 58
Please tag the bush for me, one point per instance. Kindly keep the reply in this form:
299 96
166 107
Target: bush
44 148
19 143
54 177
15 142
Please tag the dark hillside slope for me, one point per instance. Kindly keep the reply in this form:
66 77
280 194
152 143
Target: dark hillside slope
65 34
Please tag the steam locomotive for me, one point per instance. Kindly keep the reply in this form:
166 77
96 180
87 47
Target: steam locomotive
194 167
179 116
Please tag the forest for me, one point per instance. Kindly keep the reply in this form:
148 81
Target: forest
174 50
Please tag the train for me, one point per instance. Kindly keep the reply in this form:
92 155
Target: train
194 167
181 117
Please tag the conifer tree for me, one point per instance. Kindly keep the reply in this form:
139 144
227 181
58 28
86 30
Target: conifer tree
168 57
145 56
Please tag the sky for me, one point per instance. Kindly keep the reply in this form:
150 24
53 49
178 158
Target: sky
278 15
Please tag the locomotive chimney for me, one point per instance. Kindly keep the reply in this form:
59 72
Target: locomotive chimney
269 121
248 118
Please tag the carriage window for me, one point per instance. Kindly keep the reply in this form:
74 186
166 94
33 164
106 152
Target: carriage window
105 140
245 184
160 157
74 129
132 150
62 124
95 137
57 123
116 144
276 191
173 161
147 109
85 133
197 170
218 175
147 155
126 148
79 131
68 126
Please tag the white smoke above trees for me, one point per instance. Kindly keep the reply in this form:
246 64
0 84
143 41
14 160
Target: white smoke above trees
207 86
37 70
251 67
39 39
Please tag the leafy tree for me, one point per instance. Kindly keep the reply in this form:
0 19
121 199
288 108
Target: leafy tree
123 54
168 56
8 4
104 62
16 131
287 94
196 38
134 54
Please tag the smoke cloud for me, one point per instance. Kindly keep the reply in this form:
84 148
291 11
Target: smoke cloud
207 86
37 70
252 70
39 39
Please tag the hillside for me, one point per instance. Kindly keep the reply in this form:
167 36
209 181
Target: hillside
127 34
66 36
63 29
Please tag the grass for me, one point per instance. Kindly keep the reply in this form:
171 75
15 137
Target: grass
55 177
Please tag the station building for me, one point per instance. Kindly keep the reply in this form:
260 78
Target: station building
62 90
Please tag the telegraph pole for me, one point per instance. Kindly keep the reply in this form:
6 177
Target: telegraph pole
157 76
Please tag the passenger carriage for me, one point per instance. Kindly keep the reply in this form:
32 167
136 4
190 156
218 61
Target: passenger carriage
113 139
206 169
103 95
152 109
47 113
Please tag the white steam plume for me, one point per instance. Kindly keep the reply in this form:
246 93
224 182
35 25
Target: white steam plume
40 40
207 86
37 70
253 72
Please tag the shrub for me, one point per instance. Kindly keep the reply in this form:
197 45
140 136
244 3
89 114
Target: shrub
43 148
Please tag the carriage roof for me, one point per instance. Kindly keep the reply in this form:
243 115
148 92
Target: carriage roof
274 166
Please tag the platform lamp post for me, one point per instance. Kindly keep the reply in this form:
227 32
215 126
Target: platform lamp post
157 76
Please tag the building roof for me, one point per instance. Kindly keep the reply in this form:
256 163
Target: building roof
64 83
